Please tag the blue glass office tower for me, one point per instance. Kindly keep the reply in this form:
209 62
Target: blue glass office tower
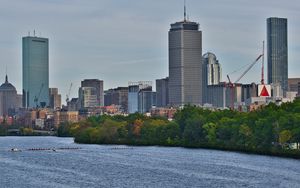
35 51
277 51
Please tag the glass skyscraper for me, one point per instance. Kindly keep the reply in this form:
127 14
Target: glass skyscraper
35 51
277 51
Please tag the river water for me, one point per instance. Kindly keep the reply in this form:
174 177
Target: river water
125 166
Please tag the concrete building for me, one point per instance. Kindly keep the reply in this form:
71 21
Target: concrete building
162 92
73 104
277 52
54 98
117 96
65 116
293 84
98 84
88 97
134 89
220 96
8 99
212 69
185 63
35 71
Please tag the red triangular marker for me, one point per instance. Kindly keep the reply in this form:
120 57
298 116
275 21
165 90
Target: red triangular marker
264 92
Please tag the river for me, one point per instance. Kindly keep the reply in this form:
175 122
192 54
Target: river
126 166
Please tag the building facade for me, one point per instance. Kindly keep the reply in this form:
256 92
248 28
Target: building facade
277 52
162 92
54 98
88 97
8 99
35 57
212 72
146 99
98 84
294 84
117 96
134 89
185 64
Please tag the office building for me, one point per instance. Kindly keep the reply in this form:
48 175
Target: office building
146 99
88 97
8 99
277 52
54 98
293 84
212 69
35 57
98 84
134 89
185 63
117 96
162 92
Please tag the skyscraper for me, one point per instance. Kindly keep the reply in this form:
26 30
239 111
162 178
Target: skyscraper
98 84
88 97
185 63
35 71
277 51
54 98
212 69
136 100
162 92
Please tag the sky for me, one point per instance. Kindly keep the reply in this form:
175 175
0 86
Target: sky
127 40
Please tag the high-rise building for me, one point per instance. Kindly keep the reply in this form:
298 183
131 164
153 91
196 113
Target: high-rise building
88 97
277 51
134 88
146 99
98 84
212 69
54 98
8 99
185 63
35 71
117 96
293 84
162 92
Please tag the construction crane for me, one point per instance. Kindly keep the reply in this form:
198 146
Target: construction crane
68 94
36 98
232 85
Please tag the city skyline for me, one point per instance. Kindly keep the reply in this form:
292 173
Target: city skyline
79 44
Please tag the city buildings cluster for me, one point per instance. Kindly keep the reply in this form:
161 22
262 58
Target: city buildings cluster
193 78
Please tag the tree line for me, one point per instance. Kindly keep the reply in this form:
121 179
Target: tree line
269 130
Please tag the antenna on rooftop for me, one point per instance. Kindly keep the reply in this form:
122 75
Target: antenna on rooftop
184 11
34 32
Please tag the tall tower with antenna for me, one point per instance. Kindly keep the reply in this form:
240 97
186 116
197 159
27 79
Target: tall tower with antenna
185 63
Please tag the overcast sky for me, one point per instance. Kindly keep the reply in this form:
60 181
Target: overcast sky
127 40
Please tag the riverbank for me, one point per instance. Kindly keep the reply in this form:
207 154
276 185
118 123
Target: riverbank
294 154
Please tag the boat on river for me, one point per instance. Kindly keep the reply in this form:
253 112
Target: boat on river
15 150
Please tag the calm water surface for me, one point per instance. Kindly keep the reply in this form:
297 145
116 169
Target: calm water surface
124 166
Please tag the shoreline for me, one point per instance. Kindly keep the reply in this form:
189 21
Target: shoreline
291 154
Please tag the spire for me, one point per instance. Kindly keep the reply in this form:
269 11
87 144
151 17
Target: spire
6 78
184 15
